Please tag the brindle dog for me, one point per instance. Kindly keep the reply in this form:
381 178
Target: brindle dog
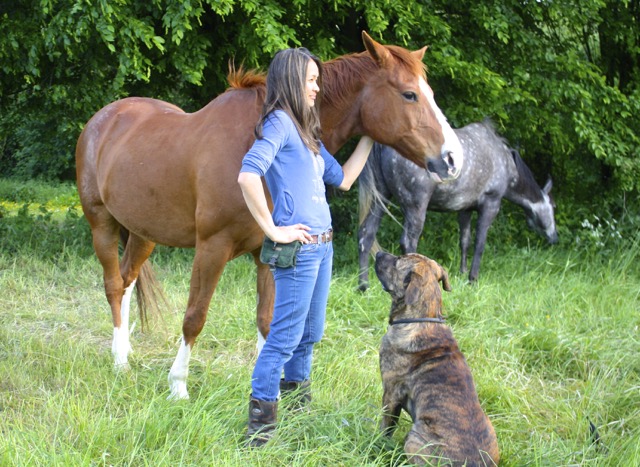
424 372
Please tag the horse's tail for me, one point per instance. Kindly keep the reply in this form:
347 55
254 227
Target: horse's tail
148 290
368 193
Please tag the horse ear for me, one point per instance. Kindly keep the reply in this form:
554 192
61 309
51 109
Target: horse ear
548 186
419 54
378 51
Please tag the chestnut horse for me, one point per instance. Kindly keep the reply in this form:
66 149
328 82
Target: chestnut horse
157 174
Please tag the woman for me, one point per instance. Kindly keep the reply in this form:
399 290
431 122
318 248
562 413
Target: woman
296 166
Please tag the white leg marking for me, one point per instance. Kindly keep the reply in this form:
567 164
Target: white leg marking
260 343
121 345
179 372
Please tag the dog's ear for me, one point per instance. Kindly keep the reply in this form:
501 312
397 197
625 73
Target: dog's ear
444 278
412 292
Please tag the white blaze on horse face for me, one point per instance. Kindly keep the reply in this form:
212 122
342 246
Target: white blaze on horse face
121 345
544 221
451 147
179 372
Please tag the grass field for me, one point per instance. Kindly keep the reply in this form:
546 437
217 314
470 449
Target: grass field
551 336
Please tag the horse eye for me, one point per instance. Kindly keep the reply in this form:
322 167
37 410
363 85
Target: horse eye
410 96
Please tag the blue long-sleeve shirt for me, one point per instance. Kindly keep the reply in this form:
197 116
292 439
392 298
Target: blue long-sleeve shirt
295 177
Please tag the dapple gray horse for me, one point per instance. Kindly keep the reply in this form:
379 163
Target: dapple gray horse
491 171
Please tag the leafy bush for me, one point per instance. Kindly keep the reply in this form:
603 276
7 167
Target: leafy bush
42 234
42 218
33 191
46 218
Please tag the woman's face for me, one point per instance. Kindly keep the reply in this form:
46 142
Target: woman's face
311 83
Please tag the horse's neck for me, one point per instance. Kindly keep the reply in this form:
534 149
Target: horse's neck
340 115
525 191
339 123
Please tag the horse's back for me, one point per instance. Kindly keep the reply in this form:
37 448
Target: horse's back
487 171
405 181
153 166
122 113
110 125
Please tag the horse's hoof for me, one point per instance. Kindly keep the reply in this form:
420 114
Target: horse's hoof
121 367
363 287
178 388
178 393
120 350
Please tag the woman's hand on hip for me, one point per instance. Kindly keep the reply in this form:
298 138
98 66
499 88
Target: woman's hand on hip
290 233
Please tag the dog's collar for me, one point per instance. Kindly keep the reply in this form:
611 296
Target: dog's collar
417 320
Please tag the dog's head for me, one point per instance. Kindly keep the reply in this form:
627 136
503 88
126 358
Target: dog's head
412 280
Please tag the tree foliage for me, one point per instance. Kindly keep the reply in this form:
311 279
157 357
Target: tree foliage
560 78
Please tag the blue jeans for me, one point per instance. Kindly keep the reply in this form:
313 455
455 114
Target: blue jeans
298 321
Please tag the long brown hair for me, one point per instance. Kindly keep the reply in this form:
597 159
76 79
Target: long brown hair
286 90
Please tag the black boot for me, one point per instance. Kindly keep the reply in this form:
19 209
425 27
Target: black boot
262 421
297 395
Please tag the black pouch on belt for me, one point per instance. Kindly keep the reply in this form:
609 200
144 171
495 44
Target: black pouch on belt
281 255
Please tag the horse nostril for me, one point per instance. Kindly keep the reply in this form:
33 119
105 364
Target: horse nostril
448 157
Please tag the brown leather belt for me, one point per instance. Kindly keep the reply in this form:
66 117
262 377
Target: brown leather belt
324 237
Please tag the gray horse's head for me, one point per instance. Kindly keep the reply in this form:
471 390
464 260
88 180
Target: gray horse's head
540 215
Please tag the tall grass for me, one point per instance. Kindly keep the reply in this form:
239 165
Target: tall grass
550 334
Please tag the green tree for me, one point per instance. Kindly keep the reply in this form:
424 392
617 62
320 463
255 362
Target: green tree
560 78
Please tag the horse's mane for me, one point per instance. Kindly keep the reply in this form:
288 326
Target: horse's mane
340 72
245 79
526 182
490 127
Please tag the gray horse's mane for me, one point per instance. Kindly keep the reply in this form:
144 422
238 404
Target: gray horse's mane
526 182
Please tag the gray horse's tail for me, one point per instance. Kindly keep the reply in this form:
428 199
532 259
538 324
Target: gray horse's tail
368 193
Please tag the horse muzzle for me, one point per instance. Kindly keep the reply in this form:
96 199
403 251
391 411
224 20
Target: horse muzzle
445 168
